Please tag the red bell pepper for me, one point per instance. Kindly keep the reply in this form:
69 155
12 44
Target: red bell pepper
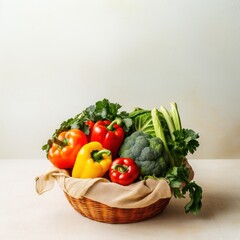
123 171
65 148
109 134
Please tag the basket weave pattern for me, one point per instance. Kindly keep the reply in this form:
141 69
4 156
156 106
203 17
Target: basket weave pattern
103 213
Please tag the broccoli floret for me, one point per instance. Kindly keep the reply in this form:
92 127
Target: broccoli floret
148 153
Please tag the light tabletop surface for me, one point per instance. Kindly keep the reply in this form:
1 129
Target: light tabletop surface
26 215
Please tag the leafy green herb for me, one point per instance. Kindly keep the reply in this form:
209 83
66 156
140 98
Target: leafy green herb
107 110
195 194
185 141
102 110
177 176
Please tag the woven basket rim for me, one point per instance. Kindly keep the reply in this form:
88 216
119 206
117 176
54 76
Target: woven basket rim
103 213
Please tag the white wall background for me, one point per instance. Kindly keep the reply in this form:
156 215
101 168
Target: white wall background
59 56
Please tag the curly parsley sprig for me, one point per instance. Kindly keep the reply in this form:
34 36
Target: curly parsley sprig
178 177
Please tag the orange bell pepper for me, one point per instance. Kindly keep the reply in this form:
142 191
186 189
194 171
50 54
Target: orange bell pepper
65 148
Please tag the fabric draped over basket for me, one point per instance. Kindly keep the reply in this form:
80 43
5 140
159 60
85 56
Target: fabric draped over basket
137 195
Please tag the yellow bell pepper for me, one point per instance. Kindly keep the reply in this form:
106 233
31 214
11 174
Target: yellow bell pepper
92 161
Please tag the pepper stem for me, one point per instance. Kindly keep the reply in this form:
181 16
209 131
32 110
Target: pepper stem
59 142
117 121
120 168
98 155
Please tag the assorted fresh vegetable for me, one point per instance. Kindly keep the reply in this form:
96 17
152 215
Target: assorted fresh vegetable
92 161
65 147
103 141
124 171
148 152
109 134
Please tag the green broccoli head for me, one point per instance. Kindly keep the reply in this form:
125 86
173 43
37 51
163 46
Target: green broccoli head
148 152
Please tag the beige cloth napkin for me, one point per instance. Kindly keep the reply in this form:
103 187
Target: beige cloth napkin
140 194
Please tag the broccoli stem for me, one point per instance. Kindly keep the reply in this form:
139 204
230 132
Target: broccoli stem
175 116
160 133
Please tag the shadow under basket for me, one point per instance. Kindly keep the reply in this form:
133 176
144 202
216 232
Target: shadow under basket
103 213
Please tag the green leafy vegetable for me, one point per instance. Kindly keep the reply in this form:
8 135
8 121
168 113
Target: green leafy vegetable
177 176
195 194
185 141
142 121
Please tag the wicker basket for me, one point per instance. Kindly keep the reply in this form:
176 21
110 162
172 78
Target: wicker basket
103 213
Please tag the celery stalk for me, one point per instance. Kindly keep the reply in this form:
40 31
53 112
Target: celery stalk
160 133
175 116
169 121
